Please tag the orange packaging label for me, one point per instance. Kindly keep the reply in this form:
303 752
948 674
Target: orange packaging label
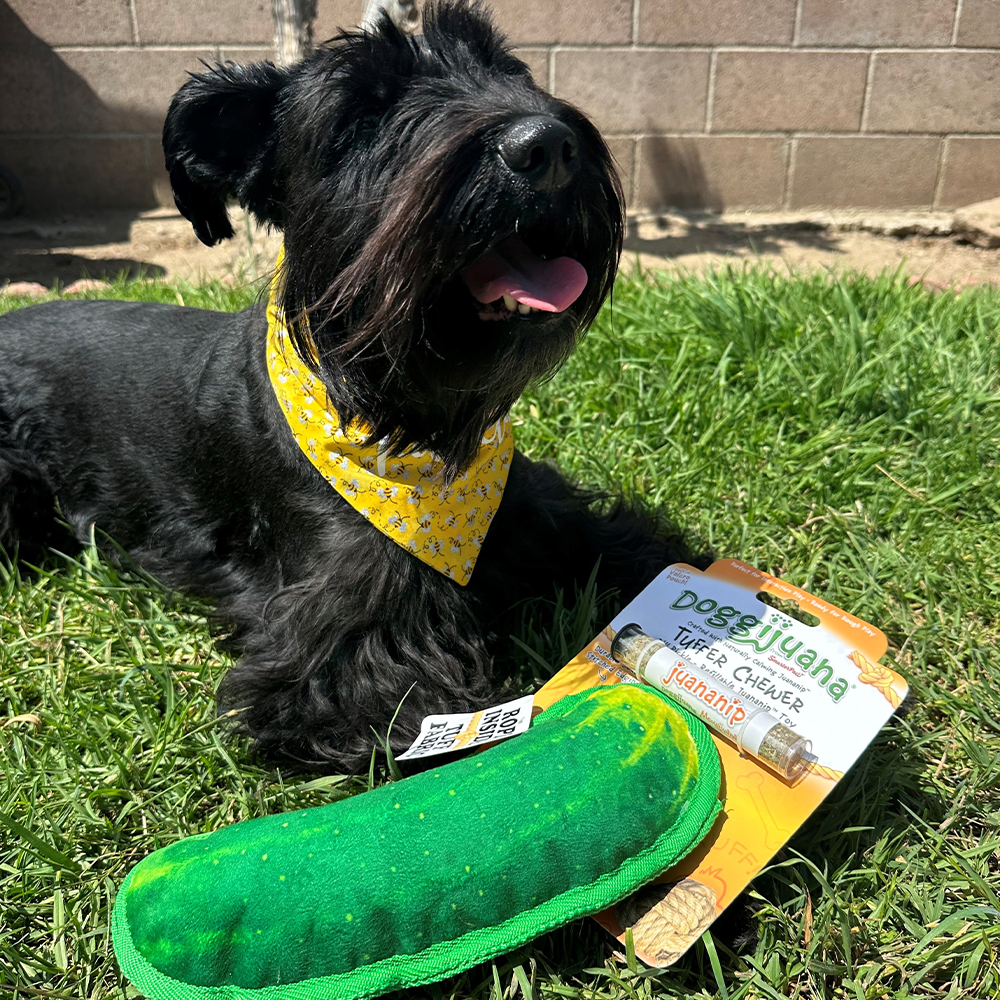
823 681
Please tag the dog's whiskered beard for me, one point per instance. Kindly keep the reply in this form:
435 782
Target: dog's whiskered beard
373 284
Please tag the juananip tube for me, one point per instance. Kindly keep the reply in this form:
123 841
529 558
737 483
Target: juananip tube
754 730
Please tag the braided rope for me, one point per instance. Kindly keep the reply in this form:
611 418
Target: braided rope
877 676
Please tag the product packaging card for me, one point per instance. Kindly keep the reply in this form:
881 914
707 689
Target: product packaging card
823 681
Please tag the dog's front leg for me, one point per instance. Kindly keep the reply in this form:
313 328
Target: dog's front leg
333 657
549 532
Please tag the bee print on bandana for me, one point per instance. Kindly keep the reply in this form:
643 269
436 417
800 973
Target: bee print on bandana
442 523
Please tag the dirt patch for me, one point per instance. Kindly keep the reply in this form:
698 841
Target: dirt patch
156 244
921 244
54 252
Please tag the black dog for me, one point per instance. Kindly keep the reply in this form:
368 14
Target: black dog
392 164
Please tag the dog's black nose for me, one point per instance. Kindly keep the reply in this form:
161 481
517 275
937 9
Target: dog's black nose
542 150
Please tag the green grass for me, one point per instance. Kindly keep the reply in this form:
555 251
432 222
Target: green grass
843 433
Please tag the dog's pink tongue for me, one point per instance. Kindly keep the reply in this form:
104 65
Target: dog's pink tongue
512 268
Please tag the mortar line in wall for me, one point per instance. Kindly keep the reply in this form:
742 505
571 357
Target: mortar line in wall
786 194
629 47
965 50
134 19
665 134
797 30
702 47
60 136
550 69
866 104
846 49
635 22
897 135
710 93
954 27
798 134
942 166
186 47
804 49
636 172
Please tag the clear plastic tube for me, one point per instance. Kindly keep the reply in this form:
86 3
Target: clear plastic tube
754 730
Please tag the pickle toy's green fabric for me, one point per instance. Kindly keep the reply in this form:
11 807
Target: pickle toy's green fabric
423 878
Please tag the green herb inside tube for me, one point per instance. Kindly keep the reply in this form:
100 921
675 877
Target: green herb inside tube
754 730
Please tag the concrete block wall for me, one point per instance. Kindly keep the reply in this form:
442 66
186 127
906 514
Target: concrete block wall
715 104
85 85
782 104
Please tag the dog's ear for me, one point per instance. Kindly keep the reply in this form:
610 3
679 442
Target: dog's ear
220 142
469 24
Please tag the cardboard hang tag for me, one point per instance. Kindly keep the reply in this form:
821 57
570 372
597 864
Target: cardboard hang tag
467 730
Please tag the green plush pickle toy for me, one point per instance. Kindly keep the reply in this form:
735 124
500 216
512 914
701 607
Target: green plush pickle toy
425 877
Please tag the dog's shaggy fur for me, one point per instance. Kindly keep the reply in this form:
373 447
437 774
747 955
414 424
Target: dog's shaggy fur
378 158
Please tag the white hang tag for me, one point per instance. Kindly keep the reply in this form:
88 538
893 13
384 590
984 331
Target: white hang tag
447 733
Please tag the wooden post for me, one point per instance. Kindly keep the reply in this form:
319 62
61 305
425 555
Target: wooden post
293 30
403 13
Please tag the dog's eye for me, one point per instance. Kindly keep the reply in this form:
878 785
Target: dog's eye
382 92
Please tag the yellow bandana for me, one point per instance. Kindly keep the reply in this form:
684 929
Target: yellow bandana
404 496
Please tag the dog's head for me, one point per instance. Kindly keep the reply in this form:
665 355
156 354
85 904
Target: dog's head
450 228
